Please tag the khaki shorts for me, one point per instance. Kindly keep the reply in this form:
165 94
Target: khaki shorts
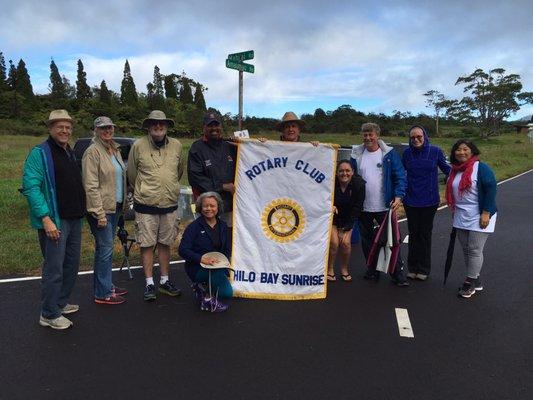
151 229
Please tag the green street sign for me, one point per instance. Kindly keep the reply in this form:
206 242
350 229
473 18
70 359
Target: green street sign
243 56
240 66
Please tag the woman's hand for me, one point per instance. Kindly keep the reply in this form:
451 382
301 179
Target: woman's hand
315 143
484 219
208 260
334 210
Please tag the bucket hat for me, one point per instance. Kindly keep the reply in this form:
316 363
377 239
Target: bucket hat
58 115
157 115
289 116
222 261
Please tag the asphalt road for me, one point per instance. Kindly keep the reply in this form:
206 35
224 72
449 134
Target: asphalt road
344 347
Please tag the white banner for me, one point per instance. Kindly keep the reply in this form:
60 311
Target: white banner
282 219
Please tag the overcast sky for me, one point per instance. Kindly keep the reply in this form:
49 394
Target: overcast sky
375 56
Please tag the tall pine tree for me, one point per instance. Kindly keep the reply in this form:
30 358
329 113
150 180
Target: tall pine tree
12 76
3 76
58 93
185 90
105 94
128 92
170 87
83 91
23 85
199 100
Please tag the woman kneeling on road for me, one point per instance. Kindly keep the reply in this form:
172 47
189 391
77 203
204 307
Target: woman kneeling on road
349 198
104 179
471 195
207 234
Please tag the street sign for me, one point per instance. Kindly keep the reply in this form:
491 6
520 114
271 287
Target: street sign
240 66
242 56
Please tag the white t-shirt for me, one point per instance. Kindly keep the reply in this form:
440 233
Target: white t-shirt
371 169
466 215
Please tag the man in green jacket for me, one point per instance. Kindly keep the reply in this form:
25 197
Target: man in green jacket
53 186
155 166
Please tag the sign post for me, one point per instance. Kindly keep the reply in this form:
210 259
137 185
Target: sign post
235 61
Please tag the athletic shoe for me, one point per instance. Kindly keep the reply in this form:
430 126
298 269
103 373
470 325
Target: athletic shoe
113 299
56 323
119 291
467 290
212 305
411 275
371 275
421 277
169 289
478 285
70 308
402 283
149 293
199 292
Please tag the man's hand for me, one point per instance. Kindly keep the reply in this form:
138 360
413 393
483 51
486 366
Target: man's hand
50 229
228 187
396 203
102 222
314 142
484 219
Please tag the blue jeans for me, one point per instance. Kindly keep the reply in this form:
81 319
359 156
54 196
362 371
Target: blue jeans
219 281
103 255
60 267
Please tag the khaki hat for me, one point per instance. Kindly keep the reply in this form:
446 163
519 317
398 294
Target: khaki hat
58 115
157 115
103 121
289 116
221 261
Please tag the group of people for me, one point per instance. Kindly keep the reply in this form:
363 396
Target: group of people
374 180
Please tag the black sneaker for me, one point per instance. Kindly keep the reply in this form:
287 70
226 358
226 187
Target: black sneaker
371 275
401 283
149 293
467 290
478 285
169 289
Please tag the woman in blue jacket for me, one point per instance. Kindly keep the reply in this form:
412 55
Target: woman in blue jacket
471 195
206 234
421 162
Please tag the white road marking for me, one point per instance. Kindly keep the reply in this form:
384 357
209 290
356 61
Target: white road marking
404 324
34 278
406 239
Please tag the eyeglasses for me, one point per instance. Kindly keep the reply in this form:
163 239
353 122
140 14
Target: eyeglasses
105 128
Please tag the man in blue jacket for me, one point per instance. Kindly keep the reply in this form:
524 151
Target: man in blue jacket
381 168
53 186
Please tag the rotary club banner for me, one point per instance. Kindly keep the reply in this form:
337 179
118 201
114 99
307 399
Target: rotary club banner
282 219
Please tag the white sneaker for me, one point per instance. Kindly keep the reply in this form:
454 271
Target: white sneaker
56 323
70 308
411 275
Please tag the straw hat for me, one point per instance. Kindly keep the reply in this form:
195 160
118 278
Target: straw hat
58 115
289 116
222 261
157 115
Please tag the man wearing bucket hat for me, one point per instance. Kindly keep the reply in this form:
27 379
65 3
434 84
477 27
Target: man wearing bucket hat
155 166
52 184
291 127
211 165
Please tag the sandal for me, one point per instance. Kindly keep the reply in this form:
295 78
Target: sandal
332 277
346 278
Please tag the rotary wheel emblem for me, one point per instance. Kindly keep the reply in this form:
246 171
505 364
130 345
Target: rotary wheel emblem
283 220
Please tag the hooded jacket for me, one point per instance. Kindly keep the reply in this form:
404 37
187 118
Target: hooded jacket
394 181
422 173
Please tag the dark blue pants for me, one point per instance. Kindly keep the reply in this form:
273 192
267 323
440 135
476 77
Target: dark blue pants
60 267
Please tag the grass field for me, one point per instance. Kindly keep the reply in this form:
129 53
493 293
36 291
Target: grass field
20 254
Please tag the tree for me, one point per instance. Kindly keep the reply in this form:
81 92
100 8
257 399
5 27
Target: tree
105 94
199 100
491 97
57 88
185 90
83 91
156 100
23 84
128 92
170 87
12 76
436 101
3 76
